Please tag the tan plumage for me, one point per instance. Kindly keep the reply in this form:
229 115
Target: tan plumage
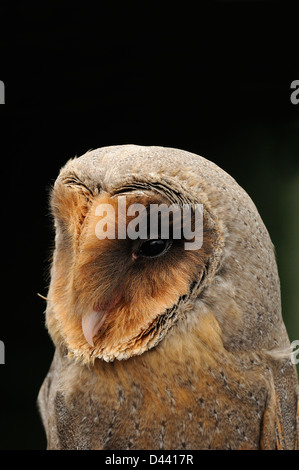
192 353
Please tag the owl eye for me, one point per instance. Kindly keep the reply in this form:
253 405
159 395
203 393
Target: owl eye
154 248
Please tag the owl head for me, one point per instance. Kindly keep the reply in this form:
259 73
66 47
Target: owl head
119 285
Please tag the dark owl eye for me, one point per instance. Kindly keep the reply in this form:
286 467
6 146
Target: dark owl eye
154 248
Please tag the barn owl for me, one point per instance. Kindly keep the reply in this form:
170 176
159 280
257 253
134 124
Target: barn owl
158 346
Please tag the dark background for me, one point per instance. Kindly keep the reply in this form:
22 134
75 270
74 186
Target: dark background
213 80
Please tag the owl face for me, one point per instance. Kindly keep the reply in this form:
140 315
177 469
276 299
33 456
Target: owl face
113 296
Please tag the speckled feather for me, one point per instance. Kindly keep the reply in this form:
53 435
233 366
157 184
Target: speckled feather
206 373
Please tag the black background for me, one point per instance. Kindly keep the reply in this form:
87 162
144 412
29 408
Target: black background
213 79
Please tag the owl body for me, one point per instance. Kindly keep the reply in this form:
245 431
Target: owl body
176 350
177 400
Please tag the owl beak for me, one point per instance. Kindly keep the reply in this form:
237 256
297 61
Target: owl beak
92 322
94 319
